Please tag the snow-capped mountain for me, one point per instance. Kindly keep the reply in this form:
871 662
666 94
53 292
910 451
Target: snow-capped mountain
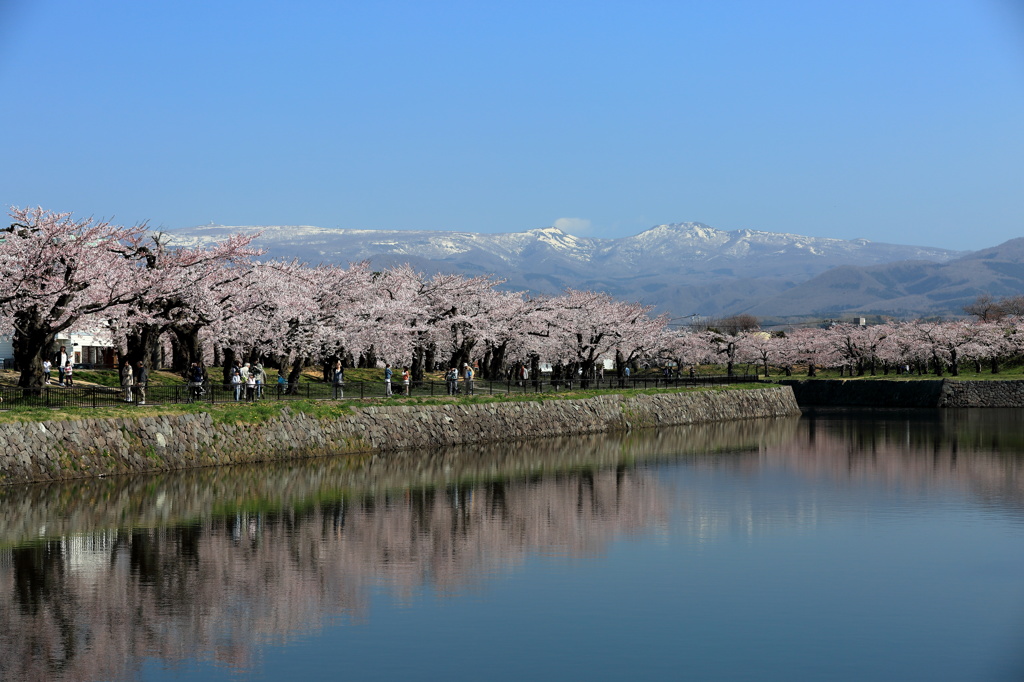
680 267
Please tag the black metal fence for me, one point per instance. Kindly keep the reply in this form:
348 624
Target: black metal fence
101 396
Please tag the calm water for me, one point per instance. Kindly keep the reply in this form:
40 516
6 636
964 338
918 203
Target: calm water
844 546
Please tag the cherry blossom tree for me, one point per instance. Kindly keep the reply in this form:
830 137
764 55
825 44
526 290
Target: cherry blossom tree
584 326
59 272
185 291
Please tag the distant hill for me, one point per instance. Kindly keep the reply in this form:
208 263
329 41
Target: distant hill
904 289
682 268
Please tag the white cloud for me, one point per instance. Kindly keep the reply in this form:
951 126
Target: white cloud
573 225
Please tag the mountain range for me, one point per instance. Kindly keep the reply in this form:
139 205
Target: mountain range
681 268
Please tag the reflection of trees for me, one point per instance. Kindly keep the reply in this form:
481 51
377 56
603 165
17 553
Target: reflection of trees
979 451
91 606
100 574
210 562
72 507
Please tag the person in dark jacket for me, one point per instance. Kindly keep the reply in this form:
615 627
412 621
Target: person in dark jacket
141 379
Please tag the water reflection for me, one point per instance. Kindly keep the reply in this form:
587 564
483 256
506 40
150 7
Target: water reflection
98 575
978 451
104 572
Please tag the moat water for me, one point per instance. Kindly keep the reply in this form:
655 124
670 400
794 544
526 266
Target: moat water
877 546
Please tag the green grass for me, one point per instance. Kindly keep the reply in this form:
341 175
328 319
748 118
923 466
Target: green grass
262 411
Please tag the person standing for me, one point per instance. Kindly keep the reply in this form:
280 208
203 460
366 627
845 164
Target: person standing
127 381
47 368
387 378
250 388
339 380
141 379
261 378
453 380
68 370
61 359
467 376
405 381
236 383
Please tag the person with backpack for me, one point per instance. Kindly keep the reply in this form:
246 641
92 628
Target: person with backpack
196 379
452 379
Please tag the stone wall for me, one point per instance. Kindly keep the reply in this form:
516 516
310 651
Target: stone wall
60 449
917 393
982 393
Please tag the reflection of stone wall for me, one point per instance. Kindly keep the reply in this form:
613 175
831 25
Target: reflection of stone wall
917 393
92 606
89 447
978 451
91 505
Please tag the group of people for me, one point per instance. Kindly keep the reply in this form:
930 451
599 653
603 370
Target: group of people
65 370
134 382
451 378
246 379
389 374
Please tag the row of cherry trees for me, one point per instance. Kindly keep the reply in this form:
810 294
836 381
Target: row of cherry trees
919 347
221 303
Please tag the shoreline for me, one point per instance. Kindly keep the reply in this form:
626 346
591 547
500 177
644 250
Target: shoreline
52 450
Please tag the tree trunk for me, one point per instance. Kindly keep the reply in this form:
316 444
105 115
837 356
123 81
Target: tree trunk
294 373
430 357
416 369
187 348
144 345
229 362
497 362
32 343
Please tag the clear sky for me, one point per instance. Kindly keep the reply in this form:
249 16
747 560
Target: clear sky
892 120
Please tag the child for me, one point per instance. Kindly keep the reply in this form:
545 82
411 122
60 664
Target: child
68 369
47 368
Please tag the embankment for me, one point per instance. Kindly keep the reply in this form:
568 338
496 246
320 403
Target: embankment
918 393
75 448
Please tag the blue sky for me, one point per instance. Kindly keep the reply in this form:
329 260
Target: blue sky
898 121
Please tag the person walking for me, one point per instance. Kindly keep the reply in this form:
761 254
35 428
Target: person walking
405 381
452 378
68 371
141 379
387 378
47 368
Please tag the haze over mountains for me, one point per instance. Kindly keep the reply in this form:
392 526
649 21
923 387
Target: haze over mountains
681 268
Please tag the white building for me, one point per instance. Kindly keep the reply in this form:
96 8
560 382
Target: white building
84 348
